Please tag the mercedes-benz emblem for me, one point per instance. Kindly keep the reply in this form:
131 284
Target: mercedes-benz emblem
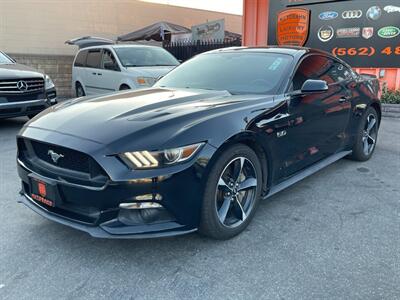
54 156
22 85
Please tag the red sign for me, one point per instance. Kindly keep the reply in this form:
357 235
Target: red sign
42 189
293 27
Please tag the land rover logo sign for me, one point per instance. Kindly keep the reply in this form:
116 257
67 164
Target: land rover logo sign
328 15
325 33
293 27
389 32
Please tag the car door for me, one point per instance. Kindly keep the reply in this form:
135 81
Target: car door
110 76
93 68
317 121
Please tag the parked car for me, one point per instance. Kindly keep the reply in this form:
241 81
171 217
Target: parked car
23 91
199 149
109 68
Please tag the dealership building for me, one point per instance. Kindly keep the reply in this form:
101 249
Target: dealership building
365 33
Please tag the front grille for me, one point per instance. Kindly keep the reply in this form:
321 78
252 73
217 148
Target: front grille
72 165
21 97
21 86
72 160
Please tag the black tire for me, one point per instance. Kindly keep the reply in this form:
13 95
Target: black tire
124 87
210 223
79 91
365 136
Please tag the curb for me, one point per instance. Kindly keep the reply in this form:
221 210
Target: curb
391 110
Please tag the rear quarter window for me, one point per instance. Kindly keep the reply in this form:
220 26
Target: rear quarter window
80 60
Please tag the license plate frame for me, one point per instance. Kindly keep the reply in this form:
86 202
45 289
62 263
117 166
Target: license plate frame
43 191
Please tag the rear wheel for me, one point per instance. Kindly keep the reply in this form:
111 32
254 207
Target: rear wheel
80 92
232 193
367 136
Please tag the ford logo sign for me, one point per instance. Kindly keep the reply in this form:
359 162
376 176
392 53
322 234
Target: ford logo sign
328 15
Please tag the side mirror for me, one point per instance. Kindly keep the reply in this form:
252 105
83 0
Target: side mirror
314 86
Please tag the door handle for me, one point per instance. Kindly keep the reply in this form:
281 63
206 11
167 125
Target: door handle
94 73
99 74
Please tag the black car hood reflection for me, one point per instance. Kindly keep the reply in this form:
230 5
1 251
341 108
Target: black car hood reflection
147 119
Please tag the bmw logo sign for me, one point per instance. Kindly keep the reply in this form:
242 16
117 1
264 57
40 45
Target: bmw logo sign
374 13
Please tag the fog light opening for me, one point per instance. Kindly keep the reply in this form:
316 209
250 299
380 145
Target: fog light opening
139 205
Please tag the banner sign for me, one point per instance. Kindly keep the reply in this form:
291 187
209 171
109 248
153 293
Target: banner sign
214 30
364 33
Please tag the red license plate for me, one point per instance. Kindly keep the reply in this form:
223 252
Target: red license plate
40 191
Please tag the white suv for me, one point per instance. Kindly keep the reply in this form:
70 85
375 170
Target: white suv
108 68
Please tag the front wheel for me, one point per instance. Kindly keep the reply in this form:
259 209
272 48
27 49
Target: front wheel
367 136
232 193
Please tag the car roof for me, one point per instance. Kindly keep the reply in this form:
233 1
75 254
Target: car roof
118 46
290 50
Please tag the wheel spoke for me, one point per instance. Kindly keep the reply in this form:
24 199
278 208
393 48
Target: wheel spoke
223 211
366 146
248 183
223 184
238 168
371 124
371 139
240 213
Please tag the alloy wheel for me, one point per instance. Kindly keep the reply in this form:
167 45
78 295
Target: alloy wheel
370 134
236 192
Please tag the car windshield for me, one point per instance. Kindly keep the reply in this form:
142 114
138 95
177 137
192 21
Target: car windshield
4 59
235 72
145 57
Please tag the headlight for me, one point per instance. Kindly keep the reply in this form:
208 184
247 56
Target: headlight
140 160
48 83
145 81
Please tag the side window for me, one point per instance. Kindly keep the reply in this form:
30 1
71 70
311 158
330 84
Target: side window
342 72
316 67
93 59
108 61
80 60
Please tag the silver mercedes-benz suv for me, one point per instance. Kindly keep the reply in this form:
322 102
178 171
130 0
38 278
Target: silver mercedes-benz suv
23 90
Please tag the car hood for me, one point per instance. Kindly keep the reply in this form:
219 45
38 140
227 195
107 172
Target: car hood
144 119
153 72
17 71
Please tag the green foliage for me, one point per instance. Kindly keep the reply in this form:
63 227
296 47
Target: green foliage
391 97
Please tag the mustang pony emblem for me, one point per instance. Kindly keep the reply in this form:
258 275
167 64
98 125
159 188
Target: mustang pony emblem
54 156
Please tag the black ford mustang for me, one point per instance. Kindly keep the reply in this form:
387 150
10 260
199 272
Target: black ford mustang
201 148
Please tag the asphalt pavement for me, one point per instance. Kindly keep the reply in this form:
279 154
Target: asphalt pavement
334 235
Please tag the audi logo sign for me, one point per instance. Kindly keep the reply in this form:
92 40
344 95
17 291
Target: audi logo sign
352 14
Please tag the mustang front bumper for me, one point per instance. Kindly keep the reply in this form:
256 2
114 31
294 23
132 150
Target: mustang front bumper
96 209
